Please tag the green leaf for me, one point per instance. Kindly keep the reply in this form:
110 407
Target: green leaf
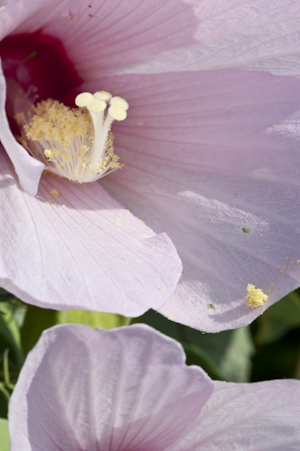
38 319
94 319
236 363
214 345
162 324
278 359
4 437
10 334
5 296
230 351
195 356
3 401
278 319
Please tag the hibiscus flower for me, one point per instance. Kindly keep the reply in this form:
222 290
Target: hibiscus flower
210 150
129 389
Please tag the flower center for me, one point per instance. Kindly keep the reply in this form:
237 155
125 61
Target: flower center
74 143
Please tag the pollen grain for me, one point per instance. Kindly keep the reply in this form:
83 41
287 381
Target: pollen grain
255 297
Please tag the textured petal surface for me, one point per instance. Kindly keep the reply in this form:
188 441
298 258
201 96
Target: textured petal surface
24 16
118 390
247 417
239 34
27 168
73 246
161 36
114 35
213 160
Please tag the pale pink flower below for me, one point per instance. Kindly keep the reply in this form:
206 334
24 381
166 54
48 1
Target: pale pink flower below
125 389
211 153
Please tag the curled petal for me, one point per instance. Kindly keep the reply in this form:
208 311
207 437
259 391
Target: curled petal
74 247
28 169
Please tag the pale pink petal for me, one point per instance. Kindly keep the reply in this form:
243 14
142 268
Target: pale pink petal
163 36
111 36
236 34
213 159
73 246
104 36
176 35
27 168
123 389
27 16
249 417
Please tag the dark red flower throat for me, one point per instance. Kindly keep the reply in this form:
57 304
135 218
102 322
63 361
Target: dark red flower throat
39 61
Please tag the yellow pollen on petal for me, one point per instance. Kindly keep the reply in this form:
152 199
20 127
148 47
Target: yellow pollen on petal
255 297
51 175
74 143
54 192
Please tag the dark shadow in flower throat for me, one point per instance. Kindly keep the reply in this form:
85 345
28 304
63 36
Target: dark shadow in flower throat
39 65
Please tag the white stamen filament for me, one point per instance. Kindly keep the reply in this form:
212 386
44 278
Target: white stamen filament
65 140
